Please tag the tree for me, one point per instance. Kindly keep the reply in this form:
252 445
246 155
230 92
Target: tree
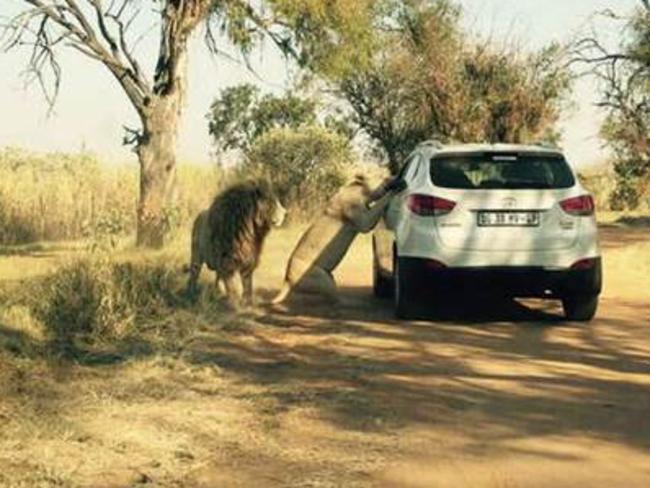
317 33
239 115
285 139
428 79
623 73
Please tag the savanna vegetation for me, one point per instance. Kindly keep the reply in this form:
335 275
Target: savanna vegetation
429 79
54 197
317 34
406 69
110 376
286 139
622 69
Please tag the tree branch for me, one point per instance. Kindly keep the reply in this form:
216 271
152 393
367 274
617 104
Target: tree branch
128 54
51 24
103 29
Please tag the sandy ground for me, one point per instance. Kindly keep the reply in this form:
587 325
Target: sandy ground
498 395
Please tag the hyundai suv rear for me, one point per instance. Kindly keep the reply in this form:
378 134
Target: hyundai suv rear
503 218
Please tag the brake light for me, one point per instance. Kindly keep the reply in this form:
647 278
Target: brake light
584 264
430 206
434 264
582 205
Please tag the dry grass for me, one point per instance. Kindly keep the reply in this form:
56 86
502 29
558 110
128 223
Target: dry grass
600 182
53 197
627 272
156 391
195 395
59 197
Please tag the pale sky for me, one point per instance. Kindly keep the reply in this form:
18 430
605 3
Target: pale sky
91 109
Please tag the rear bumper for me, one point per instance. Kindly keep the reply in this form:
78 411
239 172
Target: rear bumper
423 278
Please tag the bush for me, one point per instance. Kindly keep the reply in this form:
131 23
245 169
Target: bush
625 196
599 182
613 192
97 299
306 165
14 227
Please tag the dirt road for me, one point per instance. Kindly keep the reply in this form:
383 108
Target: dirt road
496 394
501 395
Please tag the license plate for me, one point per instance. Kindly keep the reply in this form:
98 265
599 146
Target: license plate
508 219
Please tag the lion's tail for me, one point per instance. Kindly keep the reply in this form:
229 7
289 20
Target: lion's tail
283 294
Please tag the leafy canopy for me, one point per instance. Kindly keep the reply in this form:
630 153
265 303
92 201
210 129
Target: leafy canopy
331 36
427 78
241 114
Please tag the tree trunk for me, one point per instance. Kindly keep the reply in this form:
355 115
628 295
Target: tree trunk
160 114
394 159
394 164
157 154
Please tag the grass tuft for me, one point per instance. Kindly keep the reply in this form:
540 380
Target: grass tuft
96 299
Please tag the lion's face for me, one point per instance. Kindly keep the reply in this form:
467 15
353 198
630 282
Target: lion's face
279 214
270 212
360 184
352 194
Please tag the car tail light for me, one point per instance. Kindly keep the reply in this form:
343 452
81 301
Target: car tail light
429 206
582 205
434 264
584 264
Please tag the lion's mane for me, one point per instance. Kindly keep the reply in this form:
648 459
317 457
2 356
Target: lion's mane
239 220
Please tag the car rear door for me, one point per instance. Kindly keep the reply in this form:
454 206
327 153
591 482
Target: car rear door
508 213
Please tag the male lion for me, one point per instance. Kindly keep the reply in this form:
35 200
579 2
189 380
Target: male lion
229 236
326 241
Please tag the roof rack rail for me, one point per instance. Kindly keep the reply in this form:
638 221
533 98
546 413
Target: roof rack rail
431 142
547 144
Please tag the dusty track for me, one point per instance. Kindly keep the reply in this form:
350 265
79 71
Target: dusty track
500 395
492 394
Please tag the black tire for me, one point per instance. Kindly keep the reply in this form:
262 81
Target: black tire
580 308
404 300
382 286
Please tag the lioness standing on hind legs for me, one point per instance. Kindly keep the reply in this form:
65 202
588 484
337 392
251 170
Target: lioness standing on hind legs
355 208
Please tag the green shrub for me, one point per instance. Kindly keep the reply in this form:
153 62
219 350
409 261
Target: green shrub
306 165
625 196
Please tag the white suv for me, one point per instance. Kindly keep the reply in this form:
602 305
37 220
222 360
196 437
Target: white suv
500 218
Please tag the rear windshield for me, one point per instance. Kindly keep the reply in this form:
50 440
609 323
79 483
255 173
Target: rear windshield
500 171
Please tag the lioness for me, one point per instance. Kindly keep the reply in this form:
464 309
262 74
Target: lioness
355 208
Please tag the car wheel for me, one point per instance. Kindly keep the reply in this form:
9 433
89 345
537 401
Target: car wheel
580 308
404 302
382 286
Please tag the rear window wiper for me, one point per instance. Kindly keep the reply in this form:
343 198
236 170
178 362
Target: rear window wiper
526 185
